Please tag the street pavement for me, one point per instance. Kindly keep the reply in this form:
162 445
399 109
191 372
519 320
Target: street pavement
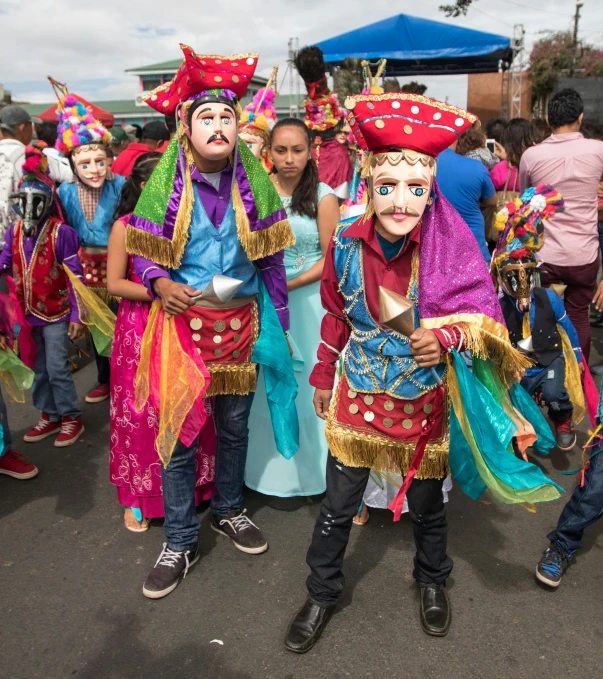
71 576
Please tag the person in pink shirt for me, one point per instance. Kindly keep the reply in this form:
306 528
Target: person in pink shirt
518 135
574 165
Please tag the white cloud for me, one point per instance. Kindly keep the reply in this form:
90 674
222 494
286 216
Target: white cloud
80 42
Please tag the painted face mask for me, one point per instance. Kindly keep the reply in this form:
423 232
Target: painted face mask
91 164
34 202
518 278
400 188
255 144
213 130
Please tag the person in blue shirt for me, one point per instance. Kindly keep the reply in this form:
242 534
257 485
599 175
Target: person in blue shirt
466 183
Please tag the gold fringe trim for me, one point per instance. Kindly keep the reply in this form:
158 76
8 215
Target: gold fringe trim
487 339
355 449
258 244
231 379
185 209
149 246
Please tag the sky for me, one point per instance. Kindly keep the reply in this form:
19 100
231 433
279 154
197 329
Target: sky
89 45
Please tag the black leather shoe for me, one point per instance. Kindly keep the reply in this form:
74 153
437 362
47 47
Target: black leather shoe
435 610
307 626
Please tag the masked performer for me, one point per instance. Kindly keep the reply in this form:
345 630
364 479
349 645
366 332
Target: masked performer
209 210
399 405
89 201
36 249
324 119
258 119
535 316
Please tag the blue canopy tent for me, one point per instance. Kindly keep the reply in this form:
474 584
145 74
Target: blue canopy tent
415 46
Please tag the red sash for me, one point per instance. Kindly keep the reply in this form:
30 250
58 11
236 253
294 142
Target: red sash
41 287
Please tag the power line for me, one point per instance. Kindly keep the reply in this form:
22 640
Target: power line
538 9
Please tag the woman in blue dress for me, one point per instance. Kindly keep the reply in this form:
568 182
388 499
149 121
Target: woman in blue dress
313 212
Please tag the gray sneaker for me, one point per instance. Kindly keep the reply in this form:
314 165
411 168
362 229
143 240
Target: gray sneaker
170 568
241 530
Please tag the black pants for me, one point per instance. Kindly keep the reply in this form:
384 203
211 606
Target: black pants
103 367
345 486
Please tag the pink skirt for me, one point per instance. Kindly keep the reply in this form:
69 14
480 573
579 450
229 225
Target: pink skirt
134 465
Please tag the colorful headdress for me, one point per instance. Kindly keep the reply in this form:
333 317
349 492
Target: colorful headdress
323 111
372 84
406 121
521 223
77 126
36 174
212 75
259 116
159 227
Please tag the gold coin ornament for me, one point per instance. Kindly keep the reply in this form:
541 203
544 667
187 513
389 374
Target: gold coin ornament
388 422
369 400
407 424
369 416
217 339
389 406
235 324
196 323
236 338
353 408
352 393
196 337
219 326
236 353
217 352
409 409
428 408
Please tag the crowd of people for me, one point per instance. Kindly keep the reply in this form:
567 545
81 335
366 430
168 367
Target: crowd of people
210 257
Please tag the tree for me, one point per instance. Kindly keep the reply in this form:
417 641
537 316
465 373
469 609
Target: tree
348 79
414 87
552 54
459 7
391 85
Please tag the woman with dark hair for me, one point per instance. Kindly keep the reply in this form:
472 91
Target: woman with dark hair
134 465
313 213
518 135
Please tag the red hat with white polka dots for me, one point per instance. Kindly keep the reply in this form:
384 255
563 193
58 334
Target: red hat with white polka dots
404 120
227 78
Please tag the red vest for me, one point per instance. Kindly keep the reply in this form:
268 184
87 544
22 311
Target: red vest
42 286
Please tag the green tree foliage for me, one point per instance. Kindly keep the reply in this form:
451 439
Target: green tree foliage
460 7
348 79
552 56
414 87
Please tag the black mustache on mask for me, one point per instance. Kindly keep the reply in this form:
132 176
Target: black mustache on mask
213 138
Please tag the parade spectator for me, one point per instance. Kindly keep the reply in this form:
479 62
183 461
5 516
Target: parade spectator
120 140
154 135
58 165
466 183
170 123
518 135
574 166
494 130
472 144
544 129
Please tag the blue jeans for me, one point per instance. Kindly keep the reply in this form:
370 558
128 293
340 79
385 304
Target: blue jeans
551 381
53 388
8 440
584 507
181 525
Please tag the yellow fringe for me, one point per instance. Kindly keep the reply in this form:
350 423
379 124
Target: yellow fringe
573 379
185 209
231 379
356 449
258 244
155 248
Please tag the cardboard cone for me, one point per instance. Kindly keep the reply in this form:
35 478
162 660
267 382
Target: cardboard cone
396 312
222 287
558 288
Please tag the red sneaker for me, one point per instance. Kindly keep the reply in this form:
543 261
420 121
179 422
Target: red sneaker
101 393
42 430
71 429
565 434
12 463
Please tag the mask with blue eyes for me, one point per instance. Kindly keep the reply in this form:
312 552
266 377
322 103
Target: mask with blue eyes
90 164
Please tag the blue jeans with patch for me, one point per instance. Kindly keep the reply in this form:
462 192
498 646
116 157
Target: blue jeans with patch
552 382
584 507
181 525
53 388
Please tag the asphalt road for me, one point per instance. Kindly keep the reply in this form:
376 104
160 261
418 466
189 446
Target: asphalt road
71 576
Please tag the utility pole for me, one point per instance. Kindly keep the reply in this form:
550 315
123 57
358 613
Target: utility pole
579 4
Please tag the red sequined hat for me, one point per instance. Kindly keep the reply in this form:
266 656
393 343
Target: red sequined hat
224 76
405 120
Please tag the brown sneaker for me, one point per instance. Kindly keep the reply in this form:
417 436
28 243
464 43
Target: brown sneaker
42 430
71 429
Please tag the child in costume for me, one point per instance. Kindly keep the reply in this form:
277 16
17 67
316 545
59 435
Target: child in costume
405 289
324 119
257 119
89 201
313 222
36 249
134 466
535 317
208 235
